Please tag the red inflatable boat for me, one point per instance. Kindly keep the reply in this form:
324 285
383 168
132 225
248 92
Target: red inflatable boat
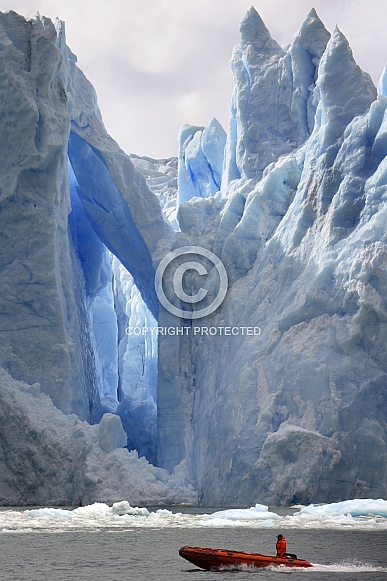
212 559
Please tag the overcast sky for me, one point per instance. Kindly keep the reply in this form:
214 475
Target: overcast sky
157 64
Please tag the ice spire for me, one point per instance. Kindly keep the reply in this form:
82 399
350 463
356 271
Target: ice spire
201 152
312 36
254 33
261 127
382 85
344 90
306 50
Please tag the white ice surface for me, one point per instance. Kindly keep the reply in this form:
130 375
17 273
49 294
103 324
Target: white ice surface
59 460
257 512
122 515
355 507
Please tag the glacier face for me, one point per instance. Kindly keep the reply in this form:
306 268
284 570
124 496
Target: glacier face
43 319
53 242
297 413
293 202
61 320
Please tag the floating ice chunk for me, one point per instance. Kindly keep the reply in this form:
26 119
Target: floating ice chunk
50 513
95 509
122 514
356 507
124 507
257 512
100 509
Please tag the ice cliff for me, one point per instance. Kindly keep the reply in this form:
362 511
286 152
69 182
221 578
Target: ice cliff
291 199
60 332
298 412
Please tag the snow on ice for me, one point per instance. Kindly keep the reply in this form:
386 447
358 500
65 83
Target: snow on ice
62 460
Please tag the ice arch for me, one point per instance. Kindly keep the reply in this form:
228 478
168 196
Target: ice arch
111 217
104 221
127 218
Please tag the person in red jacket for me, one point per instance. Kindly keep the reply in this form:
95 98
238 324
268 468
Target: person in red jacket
281 546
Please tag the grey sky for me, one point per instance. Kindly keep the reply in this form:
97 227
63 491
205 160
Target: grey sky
157 64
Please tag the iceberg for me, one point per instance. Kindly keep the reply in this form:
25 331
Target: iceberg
122 514
257 512
355 507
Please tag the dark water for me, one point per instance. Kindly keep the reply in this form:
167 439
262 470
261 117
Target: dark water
152 554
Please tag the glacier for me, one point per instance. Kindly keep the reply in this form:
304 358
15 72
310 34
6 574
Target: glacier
99 402
60 329
201 155
297 413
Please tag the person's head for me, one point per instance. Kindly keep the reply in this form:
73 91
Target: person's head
279 537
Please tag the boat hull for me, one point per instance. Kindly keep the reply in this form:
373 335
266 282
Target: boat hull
212 559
